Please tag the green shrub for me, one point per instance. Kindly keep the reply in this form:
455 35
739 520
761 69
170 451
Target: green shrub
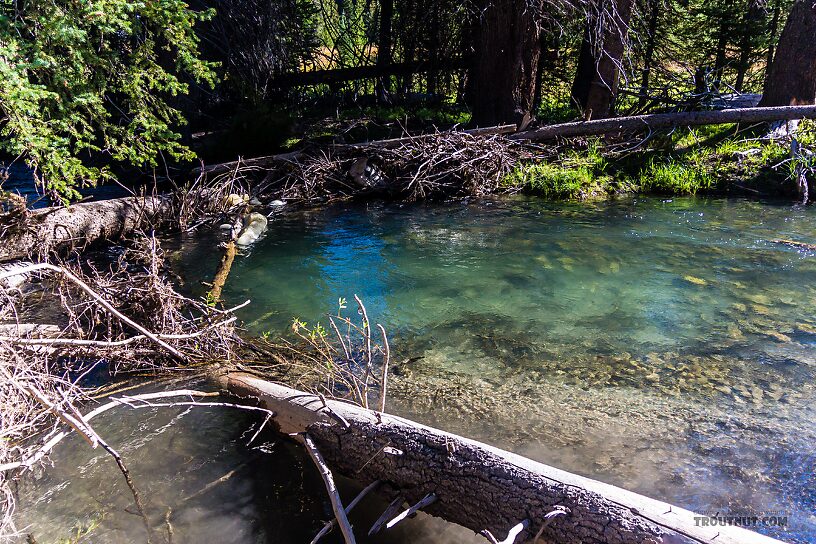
580 175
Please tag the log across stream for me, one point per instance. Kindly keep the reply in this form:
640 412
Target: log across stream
474 484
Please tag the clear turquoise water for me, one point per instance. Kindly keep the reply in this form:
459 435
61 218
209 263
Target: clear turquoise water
663 345
666 346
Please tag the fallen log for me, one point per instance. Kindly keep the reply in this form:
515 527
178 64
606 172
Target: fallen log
655 121
340 75
61 228
473 484
631 124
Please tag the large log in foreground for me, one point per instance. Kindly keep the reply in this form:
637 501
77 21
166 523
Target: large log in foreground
476 485
655 121
60 228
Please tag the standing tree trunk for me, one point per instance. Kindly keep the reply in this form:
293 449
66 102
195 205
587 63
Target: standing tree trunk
792 75
773 28
596 80
501 83
648 55
384 56
750 30
720 56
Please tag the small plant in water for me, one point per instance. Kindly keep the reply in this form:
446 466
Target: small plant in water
346 361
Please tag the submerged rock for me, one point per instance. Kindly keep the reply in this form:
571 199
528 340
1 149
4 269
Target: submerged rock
233 199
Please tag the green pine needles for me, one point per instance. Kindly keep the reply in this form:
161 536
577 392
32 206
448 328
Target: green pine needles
87 84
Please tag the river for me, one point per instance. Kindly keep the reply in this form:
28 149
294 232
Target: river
663 345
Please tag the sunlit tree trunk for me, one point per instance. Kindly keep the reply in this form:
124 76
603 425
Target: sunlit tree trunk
792 75
501 84
596 80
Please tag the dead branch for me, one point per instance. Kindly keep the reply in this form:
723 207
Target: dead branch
386 361
49 445
427 500
332 523
223 271
511 536
334 495
109 343
390 511
99 299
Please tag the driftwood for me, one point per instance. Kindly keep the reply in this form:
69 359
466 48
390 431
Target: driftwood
793 243
267 161
476 485
62 228
224 267
655 121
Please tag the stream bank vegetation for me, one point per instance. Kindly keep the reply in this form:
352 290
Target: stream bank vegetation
712 160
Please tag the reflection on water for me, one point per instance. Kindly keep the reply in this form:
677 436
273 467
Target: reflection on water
664 346
201 480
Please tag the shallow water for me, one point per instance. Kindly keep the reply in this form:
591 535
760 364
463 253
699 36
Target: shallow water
666 346
202 478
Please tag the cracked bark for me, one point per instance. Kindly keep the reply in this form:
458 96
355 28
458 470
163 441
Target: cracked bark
477 486
61 228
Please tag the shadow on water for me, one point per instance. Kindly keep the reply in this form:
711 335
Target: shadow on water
196 471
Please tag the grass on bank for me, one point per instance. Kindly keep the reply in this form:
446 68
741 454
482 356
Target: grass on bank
713 159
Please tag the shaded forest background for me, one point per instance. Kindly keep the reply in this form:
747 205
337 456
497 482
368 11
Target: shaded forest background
102 91
349 69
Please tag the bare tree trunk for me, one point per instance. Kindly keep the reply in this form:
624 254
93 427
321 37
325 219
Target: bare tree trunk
719 58
384 56
772 30
648 56
749 30
792 75
501 83
596 80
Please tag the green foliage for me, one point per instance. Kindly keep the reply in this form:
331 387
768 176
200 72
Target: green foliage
720 162
441 115
675 177
554 110
94 80
580 175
